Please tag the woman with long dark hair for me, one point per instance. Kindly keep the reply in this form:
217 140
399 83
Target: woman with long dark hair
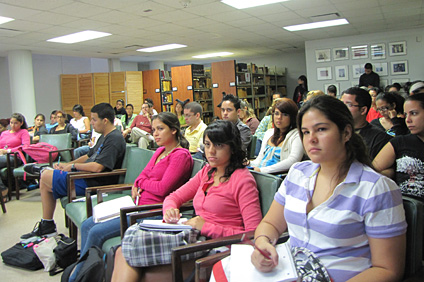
128 117
80 121
336 206
301 89
63 127
281 146
406 152
38 128
224 194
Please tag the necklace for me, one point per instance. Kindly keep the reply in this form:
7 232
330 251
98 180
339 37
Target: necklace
170 151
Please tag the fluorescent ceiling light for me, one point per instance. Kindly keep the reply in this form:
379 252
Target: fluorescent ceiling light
79 36
220 54
243 4
5 20
162 48
316 25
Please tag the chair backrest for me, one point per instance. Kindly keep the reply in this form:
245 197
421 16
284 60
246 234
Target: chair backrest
414 235
137 160
251 149
60 141
267 186
197 166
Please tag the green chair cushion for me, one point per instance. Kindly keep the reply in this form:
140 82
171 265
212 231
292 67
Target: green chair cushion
111 243
3 173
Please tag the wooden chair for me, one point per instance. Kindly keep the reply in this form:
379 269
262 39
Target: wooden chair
2 202
267 186
134 162
63 144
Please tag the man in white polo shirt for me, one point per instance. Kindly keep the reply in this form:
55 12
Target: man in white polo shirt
196 127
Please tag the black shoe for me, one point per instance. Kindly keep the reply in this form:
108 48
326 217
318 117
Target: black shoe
33 168
43 228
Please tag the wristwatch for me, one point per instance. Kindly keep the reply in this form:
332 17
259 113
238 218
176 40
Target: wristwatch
73 168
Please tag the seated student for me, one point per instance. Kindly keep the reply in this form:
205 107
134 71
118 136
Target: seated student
53 121
179 111
281 146
416 88
63 127
141 128
4 123
129 116
119 108
391 108
10 141
358 101
332 91
247 116
336 205
107 155
373 113
80 122
162 175
224 194
313 93
151 110
38 128
196 126
406 152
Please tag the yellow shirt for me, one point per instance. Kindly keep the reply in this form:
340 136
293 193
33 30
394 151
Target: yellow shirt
195 136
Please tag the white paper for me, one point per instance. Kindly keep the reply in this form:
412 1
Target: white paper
159 225
111 209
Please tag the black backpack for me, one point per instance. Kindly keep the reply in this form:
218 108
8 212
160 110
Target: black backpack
23 257
92 269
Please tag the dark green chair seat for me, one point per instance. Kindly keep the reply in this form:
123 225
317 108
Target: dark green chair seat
267 185
135 161
112 242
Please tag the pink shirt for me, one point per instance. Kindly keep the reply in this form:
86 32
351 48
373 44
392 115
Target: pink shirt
142 123
14 140
158 180
230 208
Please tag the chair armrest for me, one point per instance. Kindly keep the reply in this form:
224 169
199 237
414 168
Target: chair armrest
149 211
84 175
204 265
177 252
71 151
100 190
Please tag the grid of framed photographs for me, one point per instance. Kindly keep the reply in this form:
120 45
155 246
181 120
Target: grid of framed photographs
375 51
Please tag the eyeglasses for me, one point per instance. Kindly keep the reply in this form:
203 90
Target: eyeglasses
383 109
349 105
188 116
60 117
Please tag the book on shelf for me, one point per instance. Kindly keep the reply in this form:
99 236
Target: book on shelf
242 268
111 209
160 225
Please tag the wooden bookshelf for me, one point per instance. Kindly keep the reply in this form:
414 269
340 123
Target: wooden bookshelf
101 87
224 77
85 91
69 91
166 94
151 87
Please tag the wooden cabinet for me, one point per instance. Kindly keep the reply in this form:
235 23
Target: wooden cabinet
101 87
69 91
223 80
151 87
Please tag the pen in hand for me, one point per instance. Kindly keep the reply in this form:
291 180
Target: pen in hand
245 239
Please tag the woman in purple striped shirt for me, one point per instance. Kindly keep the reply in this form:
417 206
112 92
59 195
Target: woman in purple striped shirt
336 205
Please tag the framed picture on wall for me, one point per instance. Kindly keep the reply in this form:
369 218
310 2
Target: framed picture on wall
324 73
399 67
401 81
354 83
357 70
323 55
340 53
397 48
359 52
341 73
381 69
378 51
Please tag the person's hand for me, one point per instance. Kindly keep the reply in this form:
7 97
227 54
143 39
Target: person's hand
59 166
195 222
256 169
172 216
392 113
3 152
65 167
259 261
135 191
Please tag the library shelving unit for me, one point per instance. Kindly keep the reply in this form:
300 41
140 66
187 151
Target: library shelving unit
151 88
257 83
223 80
166 91
194 83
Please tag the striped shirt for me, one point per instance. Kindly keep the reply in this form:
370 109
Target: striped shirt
364 204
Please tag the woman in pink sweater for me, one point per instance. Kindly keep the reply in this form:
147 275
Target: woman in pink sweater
224 194
169 168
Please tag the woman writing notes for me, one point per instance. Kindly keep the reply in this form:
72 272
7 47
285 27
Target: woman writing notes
336 205
281 146
224 194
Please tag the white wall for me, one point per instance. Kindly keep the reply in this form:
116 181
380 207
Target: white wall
129 66
414 56
5 99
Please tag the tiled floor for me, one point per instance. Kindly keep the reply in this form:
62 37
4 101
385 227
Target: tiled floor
20 218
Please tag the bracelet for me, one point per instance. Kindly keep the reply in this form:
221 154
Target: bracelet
269 239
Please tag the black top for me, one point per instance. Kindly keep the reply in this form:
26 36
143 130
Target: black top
109 151
399 126
374 138
119 113
372 79
409 150
68 129
298 94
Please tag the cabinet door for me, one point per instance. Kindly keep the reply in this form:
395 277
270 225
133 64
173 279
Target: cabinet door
86 97
101 87
69 91
181 78
223 73
151 83
134 82
117 87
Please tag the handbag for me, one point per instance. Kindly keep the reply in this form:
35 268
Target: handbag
143 248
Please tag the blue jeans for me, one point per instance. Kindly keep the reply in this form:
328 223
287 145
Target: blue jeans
81 151
258 146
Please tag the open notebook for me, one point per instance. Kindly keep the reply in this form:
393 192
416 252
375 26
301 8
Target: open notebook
111 209
242 268
159 225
